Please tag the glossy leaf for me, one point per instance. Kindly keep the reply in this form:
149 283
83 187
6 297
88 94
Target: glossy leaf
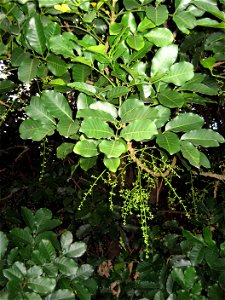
86 148
160 36
64 149
185 122
116 92
41 285
135 42
158 15
164 58
62 294
57 105
67 128
191 153
56 65
21 236
171 99
66 266
169 141
184 21
61 45
112 163
84 88
139 130
127 108
48 3
203 137
3 244
35 130
35 34
28 70
112 148
196 254
106 107
210 8
37 111
96 128
66 240
179 73
85 271
128 20
75 250
47 250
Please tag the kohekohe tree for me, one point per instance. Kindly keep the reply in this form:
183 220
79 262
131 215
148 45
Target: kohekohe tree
118 79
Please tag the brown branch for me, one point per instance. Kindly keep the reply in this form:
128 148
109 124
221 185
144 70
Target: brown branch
210 174
145 168
5 104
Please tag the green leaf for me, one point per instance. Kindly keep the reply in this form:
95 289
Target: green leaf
28 217
179 73
158 15
196 254
139 130
191 153
135 42
47 250
41 285
199 87
49 3
112 148
87 163
62 294
66 240
210 8
96 128
67 128
28 70
160 114
112 163
31 296
203 137
178 276
117 92
66 266
190 277
184 21
100 49
6 86
80 72
171 99
3 244
86 148
164 59
37 111
64 149
128 20
15 272
75 250
131 4
145 25
204 161
185 122
84 88
34 271
61 45
56 65
106 107
31 129
169 141
34 34
81 291
94 113
23 236
57 105
160 37
18 55
127 110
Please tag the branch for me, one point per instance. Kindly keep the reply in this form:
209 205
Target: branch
145 168
210 174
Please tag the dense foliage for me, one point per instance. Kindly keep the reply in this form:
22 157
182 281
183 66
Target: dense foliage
124 100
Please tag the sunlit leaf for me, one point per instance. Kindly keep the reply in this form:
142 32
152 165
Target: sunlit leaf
35 130
191 153
185 122
179 73
158 15
67 127
136 42
28 70
112 163
84 88
203 137
96 128
42 285
112 148
86 148
171 99
184 21
160 36
169 141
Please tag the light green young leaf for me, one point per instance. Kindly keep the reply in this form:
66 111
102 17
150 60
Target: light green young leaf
96 128
112 148
179 73
160 36
158 15
171 99
112 163
67 127
169 141
35 130
100 49
86 148
84 88
139 130
37 111
64 149
204 161
203 137
28 69
3 244
83 101
94 113
57 105
135 42
164 58
56 65
145 25
41 285
34 34
191 153
185 122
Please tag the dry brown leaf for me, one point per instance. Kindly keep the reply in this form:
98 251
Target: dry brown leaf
115 288
105 268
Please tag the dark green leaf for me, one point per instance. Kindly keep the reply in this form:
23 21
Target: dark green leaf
116 92
62 294
21 236
56 65
6 86
191 153
3 244
28 217
87 163
41 285
80 72
66 266
28 70
64 149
